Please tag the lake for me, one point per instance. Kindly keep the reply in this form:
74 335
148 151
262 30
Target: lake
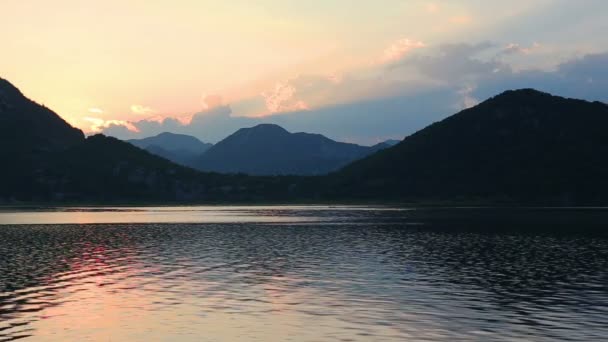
303 273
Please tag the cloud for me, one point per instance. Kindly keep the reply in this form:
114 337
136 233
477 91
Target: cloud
142 110
95 110
585 78
282 99
477 71
514 48
209 125
456 62
399 49
98 125
468 100
391 117
389 101
593 66
212 101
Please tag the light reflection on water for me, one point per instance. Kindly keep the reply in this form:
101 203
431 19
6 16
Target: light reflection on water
296 273
183 214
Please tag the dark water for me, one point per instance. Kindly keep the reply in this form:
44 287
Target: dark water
296 274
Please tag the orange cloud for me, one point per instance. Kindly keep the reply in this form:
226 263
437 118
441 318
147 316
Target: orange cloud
139 109
97 125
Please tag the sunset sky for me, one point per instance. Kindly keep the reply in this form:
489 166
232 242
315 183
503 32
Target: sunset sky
354 70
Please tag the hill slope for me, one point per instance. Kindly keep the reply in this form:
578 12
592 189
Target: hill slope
178 148
521 144
27 125
268 149
28 132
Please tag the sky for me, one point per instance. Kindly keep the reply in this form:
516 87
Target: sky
354 70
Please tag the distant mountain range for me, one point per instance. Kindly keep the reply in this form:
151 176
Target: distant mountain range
269 149
178 148
520 147
265 149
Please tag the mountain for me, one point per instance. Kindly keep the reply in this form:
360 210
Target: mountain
31 127
269 149
107 169
46 159
28 131
178 148
385 144
522 145
391 142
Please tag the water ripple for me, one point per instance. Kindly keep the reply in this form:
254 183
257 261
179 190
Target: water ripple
373 279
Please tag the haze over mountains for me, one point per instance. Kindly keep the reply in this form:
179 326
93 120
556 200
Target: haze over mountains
522 146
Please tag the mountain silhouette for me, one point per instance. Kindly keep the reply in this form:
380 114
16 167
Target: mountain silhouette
28 132
523 144
178 148
522 147
31 127
269 149
385 144
391 142
46 159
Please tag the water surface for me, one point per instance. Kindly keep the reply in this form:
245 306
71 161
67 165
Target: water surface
306 273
